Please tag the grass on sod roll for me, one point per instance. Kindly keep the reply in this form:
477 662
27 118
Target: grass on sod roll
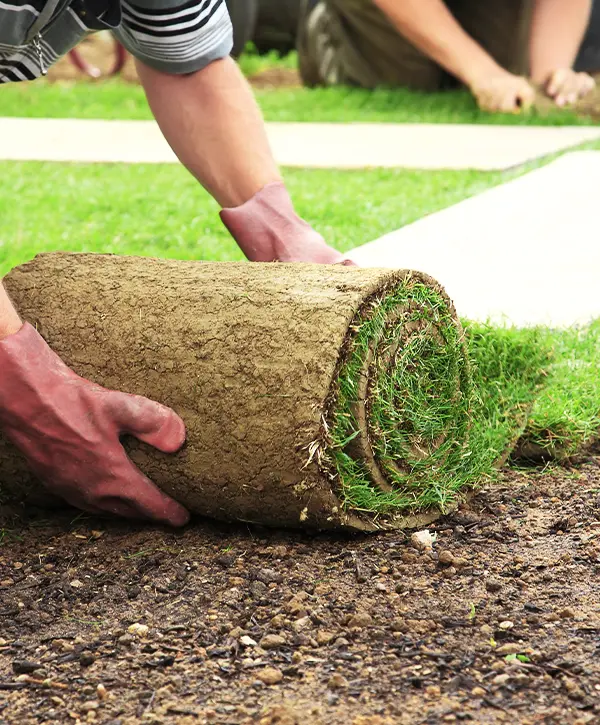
466 418
422 398
533 384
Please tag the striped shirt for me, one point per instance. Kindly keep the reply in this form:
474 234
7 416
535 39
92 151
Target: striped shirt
174 36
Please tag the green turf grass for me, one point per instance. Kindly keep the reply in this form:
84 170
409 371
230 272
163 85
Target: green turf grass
566 416
160 210
117 100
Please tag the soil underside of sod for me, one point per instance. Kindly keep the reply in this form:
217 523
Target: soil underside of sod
370 627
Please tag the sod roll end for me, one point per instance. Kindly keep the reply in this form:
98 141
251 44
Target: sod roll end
314 396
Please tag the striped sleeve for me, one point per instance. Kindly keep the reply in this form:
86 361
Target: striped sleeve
175 36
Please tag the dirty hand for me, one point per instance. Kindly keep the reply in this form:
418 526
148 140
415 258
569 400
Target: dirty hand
566 86
68 429
267 229
503 92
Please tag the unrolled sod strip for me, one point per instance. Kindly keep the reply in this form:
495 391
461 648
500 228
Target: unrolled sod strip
318 397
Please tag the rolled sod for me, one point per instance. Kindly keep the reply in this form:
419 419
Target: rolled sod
318 397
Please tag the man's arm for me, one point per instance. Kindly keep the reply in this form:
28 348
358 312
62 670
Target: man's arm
9 319
557 29
214 125
431 27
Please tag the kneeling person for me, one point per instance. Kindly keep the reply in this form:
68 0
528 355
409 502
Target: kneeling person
429 44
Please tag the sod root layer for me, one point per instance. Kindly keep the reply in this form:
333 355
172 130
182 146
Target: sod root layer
317 397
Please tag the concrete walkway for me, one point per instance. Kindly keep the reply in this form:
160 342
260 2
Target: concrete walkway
525 252
318 145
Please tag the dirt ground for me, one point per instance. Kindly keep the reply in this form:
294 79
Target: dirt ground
98 51
105 622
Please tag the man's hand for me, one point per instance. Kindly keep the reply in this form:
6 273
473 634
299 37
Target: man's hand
566 86
69 429
503 92
267 229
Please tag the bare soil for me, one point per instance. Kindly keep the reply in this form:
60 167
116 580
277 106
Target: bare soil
252 626
98 50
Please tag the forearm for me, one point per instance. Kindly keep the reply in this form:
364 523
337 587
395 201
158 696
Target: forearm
431 27
557 29
9 319
213 124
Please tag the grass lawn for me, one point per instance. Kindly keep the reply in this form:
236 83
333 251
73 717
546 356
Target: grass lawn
117 100
161 211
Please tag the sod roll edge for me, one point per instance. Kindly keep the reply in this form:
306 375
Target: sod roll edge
318 397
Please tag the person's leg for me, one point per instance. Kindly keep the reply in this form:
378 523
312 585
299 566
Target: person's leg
500 27
352 42
588 59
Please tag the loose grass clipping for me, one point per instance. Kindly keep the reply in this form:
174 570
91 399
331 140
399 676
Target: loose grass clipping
313 396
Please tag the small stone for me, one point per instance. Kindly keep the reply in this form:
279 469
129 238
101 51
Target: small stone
86 659
324 637
278 621
272 641
501 679
138 630
76 584
433 691
337 682
478 692
446 558
506 625
269 576
270 675
574 691
511 648
133 592
258 589
361 619
247 641
301 624
90 705
422 540
25 667
493 585
567 613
